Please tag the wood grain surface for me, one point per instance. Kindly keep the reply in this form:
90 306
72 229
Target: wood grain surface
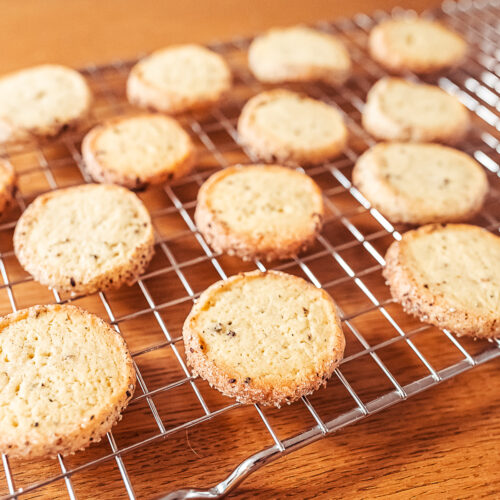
443 443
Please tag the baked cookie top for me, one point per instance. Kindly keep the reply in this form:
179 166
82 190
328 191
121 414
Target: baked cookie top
298 53
421 183
40 101
291 128
178 79
65 377
259 211
85 238
415 44
264 337
138 150
400 110
448 276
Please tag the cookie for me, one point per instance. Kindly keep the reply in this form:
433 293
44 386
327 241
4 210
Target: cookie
41 101
299 54
179 79
137 151
421 183
286 127
85 238
448 276
259 211
266 338
65 378
417 45
7 185
398 110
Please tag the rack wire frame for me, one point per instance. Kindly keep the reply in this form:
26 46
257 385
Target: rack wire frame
476 83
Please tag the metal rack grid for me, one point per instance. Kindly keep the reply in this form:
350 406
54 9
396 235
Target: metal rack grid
395 356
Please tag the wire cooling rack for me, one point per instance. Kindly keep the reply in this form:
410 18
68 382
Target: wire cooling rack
178 432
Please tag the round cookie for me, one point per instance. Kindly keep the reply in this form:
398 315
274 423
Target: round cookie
259 211
266 338
65 378
283 126
178 79
85 238
137 151
417 45
399 110
7 185
448 276
41 101
421 183
298 54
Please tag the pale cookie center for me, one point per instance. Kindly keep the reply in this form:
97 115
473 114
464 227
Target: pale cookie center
84 233
424 107
296 47
279 205
439 181
423 41
55 372
300 123
141 147
186 73
462 267
267 330
39 98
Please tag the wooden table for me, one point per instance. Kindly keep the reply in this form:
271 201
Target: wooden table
443 443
